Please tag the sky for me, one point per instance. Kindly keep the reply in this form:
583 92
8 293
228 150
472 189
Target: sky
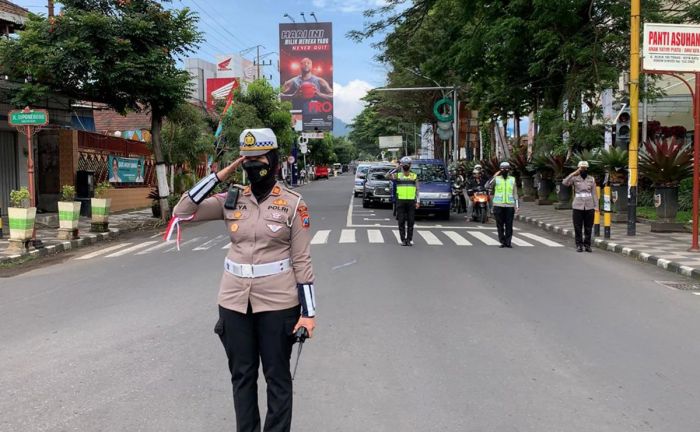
232 26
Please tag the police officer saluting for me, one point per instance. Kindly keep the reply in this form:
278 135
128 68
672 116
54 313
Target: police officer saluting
406 200
505 203
585 204
266 292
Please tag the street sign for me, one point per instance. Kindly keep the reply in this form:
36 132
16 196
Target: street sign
671 47
27 117
312 135
304 148
444 117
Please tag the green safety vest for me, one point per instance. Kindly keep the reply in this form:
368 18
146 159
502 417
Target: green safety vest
503 192
406 186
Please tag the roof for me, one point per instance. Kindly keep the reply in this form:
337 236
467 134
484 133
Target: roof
12 12
110 121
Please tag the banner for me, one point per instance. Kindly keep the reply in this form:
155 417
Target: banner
219 89
125 170
671 47
427 141
306 72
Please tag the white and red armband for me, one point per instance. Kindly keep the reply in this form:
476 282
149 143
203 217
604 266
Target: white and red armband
307 299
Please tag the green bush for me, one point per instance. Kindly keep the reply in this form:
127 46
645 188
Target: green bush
67 193
19 198
101 189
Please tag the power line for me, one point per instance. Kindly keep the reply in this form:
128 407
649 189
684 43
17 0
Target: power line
217 22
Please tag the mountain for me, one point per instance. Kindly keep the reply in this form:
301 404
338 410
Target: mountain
340 128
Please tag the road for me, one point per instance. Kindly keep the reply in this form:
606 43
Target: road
454 334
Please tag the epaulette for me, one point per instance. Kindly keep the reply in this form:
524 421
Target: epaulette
296 194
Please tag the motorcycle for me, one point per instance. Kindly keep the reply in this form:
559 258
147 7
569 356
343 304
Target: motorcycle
480 204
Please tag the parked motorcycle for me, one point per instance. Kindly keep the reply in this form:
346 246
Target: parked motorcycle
480 204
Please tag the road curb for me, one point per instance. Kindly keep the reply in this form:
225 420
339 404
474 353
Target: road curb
611 246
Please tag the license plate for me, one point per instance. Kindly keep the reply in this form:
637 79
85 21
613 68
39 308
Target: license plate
427 203
385 200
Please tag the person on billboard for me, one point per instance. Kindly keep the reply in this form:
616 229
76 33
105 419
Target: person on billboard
115 172
139 172
307 85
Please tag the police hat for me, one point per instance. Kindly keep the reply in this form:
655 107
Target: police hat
256 142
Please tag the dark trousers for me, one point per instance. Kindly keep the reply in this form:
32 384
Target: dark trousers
247 339
504 221
406 213
583 221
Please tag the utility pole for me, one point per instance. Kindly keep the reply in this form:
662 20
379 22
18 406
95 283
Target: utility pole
257 61
50 8
634 119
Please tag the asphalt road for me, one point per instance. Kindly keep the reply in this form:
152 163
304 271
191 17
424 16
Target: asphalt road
453 334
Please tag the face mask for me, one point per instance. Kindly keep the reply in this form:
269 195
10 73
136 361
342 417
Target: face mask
257 171
584 173
505 173
406 167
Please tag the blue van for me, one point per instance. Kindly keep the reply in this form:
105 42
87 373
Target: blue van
434 187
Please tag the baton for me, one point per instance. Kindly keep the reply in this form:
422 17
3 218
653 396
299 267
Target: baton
301 335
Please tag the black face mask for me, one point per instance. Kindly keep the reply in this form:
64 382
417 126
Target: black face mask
584 173
406 167
505 174
257 171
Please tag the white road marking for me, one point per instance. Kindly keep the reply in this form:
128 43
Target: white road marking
131 249
430 238
227 245
489 241
397 235
321 237
347 236
542 240
160 234
518 242
210 243
162 245
196 239
348 221
458 239
375 236
381 219
103 251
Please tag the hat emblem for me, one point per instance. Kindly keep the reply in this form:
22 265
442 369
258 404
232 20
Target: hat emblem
249 139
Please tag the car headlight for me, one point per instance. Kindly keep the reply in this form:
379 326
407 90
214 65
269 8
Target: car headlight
444 195
359 182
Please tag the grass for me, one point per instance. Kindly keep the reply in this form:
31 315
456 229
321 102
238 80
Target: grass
683 216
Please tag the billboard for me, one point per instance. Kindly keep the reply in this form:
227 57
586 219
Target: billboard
306 72
219 89
390 142
125 170
671 47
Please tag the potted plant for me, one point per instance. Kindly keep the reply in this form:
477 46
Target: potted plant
100 208
614 162
155 203
666 163
68 214
21 218
545 186
521 165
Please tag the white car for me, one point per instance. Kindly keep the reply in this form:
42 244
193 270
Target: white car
360 174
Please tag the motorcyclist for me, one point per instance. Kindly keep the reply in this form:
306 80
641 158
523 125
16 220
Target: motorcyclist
460 184
478 180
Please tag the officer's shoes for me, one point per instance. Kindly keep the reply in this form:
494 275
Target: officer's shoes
588 249
579 248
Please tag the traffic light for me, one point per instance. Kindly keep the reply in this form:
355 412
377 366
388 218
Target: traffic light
622 130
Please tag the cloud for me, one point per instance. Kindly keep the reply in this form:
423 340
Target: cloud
348 6
346 98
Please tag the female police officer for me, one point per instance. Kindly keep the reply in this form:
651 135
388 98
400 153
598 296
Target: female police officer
267 277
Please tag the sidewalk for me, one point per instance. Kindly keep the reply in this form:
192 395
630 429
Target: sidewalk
668 250
47 231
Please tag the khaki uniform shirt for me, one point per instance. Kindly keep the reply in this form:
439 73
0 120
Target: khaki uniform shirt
261 233
585 196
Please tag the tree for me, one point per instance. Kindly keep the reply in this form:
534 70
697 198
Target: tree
258 107
344 150
120 52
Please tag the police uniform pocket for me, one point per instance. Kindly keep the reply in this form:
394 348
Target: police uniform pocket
276 224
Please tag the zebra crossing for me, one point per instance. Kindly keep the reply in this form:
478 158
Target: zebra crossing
346 236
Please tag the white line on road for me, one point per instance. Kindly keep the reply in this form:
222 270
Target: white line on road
458 239
131 249
397 235
518 242
542 240
162 244
430 238
194 240
321 237
348 221
103 251
227 245
380 219
375 236
210 243
484 238
347 236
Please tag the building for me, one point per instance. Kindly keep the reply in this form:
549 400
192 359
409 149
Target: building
214 81
12 17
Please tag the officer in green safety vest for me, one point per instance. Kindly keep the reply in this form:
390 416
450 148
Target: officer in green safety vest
505 202
406 200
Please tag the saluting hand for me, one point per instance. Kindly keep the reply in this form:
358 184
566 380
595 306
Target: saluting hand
230 169
309 323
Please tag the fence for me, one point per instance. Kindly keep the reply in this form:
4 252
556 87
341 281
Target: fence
94 150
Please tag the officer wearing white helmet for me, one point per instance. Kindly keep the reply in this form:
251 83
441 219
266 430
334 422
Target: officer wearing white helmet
585 204
505 203
406 200
266 293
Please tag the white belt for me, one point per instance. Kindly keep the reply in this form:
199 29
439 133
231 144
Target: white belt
584 195
256 270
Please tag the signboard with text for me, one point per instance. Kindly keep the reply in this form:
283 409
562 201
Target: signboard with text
28 118
387 142
671 47
306 72
125 170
